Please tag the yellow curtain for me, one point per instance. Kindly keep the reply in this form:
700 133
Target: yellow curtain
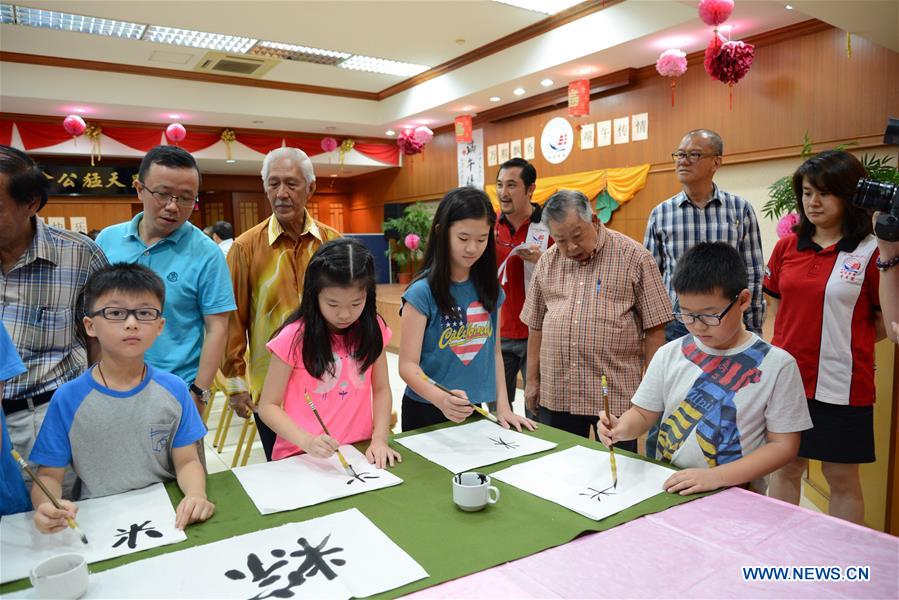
622 184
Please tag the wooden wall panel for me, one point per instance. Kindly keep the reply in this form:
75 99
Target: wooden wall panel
802 83
99 212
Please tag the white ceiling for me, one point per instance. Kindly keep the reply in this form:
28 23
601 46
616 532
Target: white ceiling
629 34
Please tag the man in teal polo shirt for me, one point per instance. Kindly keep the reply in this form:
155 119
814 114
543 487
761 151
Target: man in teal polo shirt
198 292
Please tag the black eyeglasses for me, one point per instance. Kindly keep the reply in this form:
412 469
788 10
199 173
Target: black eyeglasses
692 157
114 313
710 320
163 198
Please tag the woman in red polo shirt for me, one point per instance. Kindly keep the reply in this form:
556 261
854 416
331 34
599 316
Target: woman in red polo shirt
821 283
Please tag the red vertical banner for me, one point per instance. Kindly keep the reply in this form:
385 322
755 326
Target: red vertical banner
463 129
579 98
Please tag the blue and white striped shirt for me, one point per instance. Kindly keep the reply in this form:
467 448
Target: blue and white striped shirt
677 224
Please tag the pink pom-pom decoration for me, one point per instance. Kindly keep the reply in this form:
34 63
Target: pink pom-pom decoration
407 142
715 12
712 51
672 63
74 125
786 224
732 62
412 241
423 135
175 132
329 144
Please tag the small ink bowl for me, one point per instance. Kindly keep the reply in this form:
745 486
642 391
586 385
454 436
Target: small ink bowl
63 576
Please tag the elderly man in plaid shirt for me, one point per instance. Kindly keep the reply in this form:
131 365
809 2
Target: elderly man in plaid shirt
596 306
701 212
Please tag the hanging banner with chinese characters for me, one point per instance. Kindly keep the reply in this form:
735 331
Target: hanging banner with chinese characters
463 129
84 180
579 98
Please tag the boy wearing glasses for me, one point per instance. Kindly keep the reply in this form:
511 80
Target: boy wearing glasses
732 406
123 424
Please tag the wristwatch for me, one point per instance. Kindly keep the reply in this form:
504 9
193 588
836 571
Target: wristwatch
202 394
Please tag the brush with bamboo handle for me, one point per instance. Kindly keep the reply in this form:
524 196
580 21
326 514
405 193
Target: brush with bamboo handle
605 400
346 466
446 390
47 493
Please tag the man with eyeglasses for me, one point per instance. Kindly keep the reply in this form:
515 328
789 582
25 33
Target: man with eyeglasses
268 264
197 284
702 212
44 271
521 238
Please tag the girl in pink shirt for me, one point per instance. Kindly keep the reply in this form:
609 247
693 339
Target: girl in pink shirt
332 348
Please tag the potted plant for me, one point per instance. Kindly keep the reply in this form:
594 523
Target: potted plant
412 230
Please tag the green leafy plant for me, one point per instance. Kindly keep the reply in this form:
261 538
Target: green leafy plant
782 200
416 219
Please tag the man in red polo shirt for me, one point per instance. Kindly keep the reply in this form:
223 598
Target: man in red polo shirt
520 240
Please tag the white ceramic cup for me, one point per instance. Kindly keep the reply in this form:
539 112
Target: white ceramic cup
63 576
472 491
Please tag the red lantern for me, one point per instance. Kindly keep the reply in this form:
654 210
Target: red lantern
463 129
74 125
579 98
175 132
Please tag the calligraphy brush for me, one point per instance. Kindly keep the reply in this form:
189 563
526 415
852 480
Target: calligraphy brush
346 466
444 389
605 397
44 489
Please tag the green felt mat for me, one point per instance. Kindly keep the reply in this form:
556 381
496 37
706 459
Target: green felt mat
419 516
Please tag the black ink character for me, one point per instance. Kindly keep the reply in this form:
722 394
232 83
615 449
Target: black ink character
131 534
361 476
314 562
501 442
598 494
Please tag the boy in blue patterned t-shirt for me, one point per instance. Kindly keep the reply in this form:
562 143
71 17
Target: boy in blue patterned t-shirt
13 493
122 425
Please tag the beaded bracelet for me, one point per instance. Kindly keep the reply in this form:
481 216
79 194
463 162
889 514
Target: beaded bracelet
883 265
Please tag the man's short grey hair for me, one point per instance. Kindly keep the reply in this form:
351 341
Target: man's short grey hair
294 154
564 201
714 139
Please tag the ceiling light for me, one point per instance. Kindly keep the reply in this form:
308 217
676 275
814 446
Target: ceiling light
519 91
726 27
381 65
495 98
6 14
547 7
390 132
79 110
174 116
299 53
546 82
789 7
198 39
51 19
230 161
585 70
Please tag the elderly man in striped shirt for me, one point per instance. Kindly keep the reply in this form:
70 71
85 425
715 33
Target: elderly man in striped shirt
701 212
596 306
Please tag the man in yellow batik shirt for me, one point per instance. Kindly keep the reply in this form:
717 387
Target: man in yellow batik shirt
267 265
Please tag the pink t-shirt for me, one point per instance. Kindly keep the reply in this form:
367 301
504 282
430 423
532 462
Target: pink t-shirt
342 400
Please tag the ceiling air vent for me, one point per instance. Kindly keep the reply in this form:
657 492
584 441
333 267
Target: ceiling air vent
230 64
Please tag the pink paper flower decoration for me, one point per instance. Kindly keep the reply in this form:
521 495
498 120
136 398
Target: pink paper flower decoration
786 224
412 241
672 63
74 125
175 132
407 142
329 144
423 135
712 51
715 12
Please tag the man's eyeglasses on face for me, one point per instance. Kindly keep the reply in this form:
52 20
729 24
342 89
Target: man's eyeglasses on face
163 198
695 155
114 313
710 320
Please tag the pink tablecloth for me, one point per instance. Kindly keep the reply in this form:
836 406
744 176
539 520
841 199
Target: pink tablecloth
696 550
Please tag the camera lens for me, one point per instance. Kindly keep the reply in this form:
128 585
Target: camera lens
874 195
